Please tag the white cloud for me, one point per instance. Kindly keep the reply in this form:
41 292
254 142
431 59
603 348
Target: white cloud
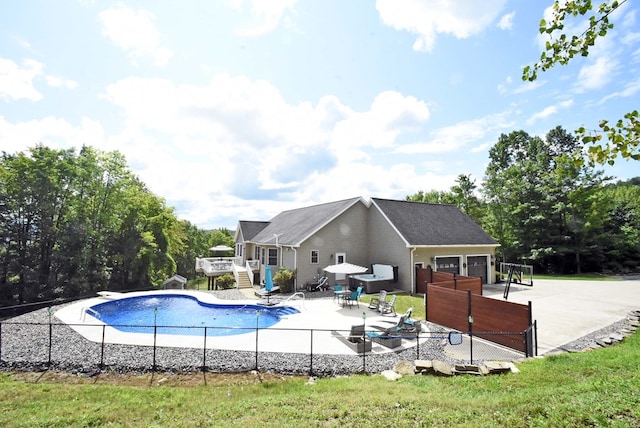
596 74
453 138
529 86
134 32
16 82
61 82
254 143
549 111
263 16
52 131
462 18
630 89
506 22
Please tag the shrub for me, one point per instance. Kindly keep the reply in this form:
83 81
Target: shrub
226 281
284 279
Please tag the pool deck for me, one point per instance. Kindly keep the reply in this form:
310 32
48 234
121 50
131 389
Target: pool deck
317 325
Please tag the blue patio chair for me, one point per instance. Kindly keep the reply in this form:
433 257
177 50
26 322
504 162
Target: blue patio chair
353 297
337 292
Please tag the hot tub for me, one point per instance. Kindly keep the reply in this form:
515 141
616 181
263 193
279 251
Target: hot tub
371 283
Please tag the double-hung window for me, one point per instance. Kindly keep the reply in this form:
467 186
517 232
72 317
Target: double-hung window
273 256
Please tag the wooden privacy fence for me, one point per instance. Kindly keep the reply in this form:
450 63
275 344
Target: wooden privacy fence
481 317
446 280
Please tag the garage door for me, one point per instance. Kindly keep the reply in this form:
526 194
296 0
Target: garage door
477 266
448 264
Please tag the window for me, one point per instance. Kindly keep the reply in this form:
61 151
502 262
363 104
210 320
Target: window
256 253
262 257
315 256
273 256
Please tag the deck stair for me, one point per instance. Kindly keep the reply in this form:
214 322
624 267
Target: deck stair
243 280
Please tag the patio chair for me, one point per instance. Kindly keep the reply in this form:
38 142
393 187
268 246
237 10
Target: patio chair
353 297
377 301
406 326
318 285
337 292
388 307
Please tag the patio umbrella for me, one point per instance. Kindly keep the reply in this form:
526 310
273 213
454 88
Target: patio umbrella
268 281
345 268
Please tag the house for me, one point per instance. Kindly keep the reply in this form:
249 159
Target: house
399 233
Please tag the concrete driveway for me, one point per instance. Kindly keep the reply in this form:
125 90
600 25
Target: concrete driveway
567 310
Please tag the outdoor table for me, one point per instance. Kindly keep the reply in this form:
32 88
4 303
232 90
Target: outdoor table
342 294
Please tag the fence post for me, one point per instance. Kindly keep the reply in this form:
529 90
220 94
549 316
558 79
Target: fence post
470 325
257 328
50 336
204 351
364 342
155 333
426 291
104 326
311 355
0 341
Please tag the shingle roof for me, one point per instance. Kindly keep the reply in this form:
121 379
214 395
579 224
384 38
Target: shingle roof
294 226
425 224
251 228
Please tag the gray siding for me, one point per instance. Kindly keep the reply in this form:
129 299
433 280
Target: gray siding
387 247
346 234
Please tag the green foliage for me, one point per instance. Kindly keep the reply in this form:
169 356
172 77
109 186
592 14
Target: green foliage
542 207
74 222
463 195
284 278
620 138
225 281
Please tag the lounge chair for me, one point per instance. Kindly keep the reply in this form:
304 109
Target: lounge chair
356 340
377 301
388 307
385 339
353 297
318 285
406 326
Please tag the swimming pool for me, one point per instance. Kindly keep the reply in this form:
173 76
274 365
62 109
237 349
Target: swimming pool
180 314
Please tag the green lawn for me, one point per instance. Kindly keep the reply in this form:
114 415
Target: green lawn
596 388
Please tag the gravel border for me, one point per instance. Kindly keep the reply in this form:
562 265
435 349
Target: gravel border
24 345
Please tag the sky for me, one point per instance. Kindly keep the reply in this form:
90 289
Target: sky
239 109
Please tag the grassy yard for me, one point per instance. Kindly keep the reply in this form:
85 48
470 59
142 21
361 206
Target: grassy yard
595 388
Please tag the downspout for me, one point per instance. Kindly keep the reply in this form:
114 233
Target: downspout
413 272
295 268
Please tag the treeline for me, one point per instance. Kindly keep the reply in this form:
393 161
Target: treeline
548 208
72 223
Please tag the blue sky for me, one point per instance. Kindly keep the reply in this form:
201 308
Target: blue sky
236 110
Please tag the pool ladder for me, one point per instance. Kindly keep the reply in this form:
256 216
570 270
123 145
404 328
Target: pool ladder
296 294
89 310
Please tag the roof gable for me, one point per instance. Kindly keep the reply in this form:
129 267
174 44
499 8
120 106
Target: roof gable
426 224
295 226
249 229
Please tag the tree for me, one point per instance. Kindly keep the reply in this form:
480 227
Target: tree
73 223
621 138
542 207
464 195
432 196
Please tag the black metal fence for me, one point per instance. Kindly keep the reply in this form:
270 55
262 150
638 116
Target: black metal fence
51 344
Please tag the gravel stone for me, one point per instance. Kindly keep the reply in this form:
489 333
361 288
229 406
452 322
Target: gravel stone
24 345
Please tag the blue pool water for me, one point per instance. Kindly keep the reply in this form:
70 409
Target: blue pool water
185 315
